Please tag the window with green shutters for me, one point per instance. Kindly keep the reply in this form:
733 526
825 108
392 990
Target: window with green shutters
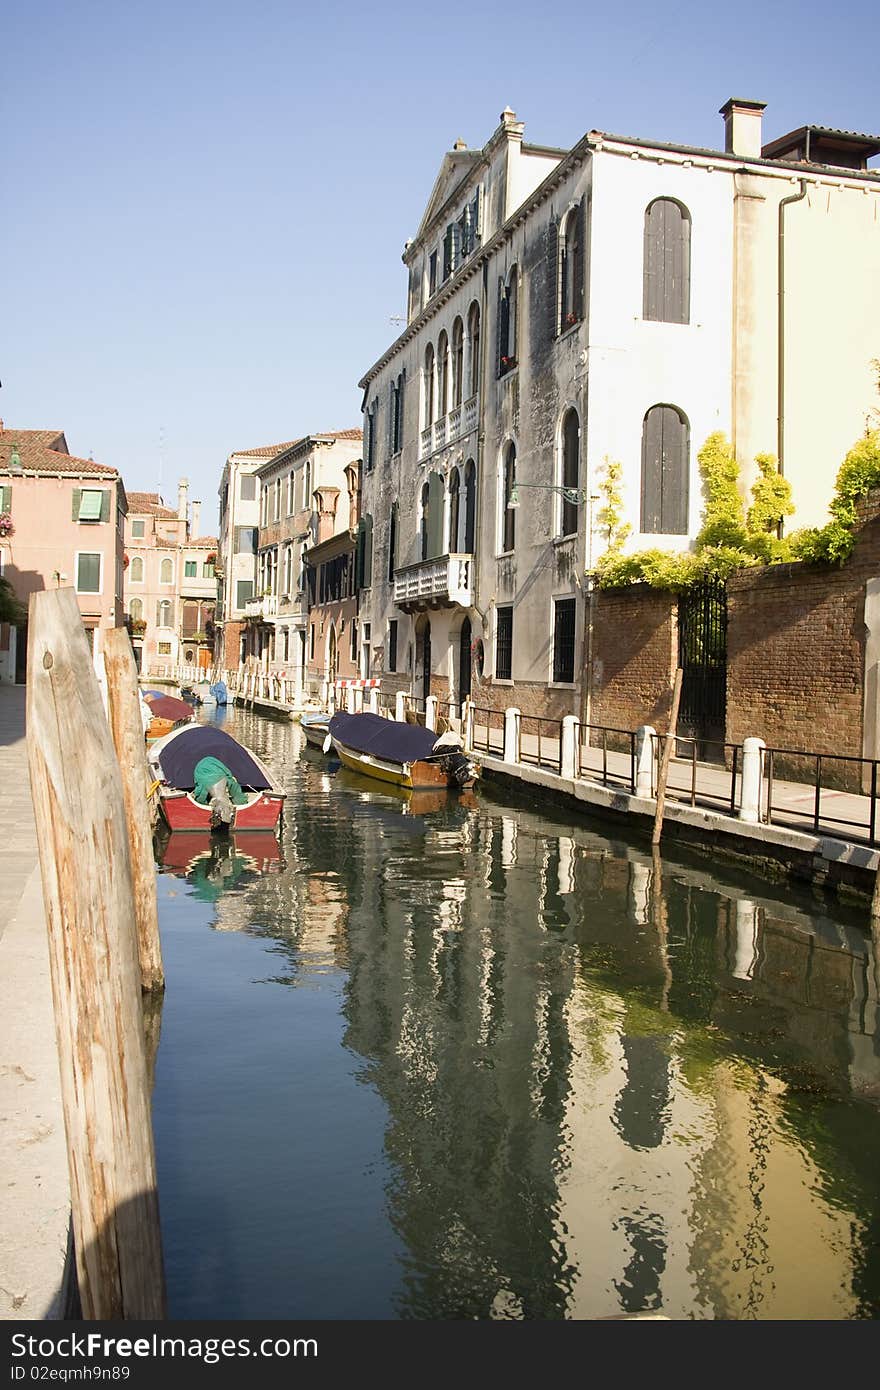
88 572
207 571
5 499
90 504
137 530
190 569
244 592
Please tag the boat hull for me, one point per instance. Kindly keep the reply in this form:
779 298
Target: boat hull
315 730
419 775
181 811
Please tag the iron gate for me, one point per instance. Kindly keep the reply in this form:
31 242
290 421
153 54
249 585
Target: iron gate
702 656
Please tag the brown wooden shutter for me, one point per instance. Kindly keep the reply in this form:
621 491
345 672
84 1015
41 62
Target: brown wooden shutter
651 270
435 516
501 328
652 471
554 288
578 269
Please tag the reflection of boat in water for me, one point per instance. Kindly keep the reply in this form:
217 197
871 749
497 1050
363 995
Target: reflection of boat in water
178 762
316 726
404 755
214 864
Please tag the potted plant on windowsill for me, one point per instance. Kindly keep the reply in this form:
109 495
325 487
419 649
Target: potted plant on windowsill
508 363
570 319
211 557
6 527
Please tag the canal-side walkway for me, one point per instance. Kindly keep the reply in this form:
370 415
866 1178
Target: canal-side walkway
34 1186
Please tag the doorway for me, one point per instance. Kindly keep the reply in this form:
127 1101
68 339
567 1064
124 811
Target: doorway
464 663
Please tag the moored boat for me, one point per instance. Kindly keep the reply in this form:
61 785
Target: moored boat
207 781
315 725
406 755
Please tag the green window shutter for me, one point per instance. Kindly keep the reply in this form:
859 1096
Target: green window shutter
5 499
75 496
105 505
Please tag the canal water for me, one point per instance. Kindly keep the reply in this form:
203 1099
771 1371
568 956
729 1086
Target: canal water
447 1057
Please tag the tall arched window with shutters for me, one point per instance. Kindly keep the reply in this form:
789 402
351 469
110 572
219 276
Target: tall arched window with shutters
569 470
136 573
470 506
442 375
507 316
508 480
136 610
665 471
392 540
429 386
425 504
474 358
571 268
667 263
457 362
454 510
166 572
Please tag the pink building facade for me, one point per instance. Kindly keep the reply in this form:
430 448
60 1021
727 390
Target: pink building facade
62 525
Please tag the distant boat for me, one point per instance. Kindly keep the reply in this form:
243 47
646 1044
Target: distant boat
406 755
168 712
316 726
178 764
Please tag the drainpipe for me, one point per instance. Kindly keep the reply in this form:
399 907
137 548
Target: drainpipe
480 453
780 332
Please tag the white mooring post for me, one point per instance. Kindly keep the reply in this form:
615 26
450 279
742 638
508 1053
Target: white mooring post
467 726
511 732
374 700
570 727
645 760
351 699
431 703
400 706
752 768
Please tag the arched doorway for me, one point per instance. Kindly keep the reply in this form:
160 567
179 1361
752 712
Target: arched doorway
464 663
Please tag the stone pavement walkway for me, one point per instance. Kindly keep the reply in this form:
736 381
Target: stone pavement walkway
34 1185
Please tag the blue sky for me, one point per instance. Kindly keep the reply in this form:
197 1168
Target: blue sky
204 204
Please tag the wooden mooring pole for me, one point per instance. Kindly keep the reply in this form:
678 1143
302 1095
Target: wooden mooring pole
90 917
128 736
668 746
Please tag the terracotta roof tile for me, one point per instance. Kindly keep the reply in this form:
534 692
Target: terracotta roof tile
38 457
266 451
50 439
342 434
149 504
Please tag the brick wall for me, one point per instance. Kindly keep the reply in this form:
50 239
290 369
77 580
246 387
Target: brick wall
796 649
231 645
635 649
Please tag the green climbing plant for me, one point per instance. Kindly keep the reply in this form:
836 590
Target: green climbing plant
12 610
858 475
609 517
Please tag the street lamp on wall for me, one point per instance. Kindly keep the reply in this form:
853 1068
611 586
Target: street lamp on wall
575 496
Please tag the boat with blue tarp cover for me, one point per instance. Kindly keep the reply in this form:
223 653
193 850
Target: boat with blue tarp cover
207 780
406 755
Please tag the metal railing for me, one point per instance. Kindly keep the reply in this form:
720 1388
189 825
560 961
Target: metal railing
719 785
541 757
621 769
482 725
862 785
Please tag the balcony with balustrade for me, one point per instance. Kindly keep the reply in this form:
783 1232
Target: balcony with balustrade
444 582
460 422
264 607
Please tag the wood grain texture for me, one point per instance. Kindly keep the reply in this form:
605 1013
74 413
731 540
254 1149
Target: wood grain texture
90 918
128 737
668 745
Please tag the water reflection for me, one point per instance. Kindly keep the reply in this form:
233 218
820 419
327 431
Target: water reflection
596 1082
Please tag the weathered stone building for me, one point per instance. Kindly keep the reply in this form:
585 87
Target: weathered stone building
620 300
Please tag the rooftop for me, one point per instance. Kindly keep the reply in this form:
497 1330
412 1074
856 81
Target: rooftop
45 451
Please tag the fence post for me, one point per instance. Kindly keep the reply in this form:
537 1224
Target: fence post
750 780
128 737
467 726
668 749
645 736
511 726
569 757
431 703
89 905
400 706
374 699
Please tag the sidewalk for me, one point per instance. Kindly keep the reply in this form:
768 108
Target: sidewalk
34 1186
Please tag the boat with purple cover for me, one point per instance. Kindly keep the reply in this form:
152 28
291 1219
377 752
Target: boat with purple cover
406 755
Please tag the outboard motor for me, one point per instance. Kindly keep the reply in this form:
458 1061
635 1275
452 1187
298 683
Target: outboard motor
222 809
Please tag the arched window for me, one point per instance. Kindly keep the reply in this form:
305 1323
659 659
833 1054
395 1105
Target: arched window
507 323
457 362
426 500
442 375
474 359
364 553
166 572
571 268
667 266
136 610
665 469
392 540
508 480
569 473
470 505
429 385
163 613
454 508
307 486
137 570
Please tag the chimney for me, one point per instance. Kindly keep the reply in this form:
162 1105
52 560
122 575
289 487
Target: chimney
182 496
194 524
742 127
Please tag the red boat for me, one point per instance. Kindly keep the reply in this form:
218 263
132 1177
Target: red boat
173 761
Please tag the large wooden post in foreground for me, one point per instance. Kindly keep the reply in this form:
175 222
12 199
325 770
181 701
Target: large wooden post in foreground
90 919
128 736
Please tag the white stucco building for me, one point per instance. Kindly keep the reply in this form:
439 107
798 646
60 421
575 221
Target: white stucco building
622 299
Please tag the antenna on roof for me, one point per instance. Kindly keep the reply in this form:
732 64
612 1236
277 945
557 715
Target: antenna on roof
397 318
161 460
